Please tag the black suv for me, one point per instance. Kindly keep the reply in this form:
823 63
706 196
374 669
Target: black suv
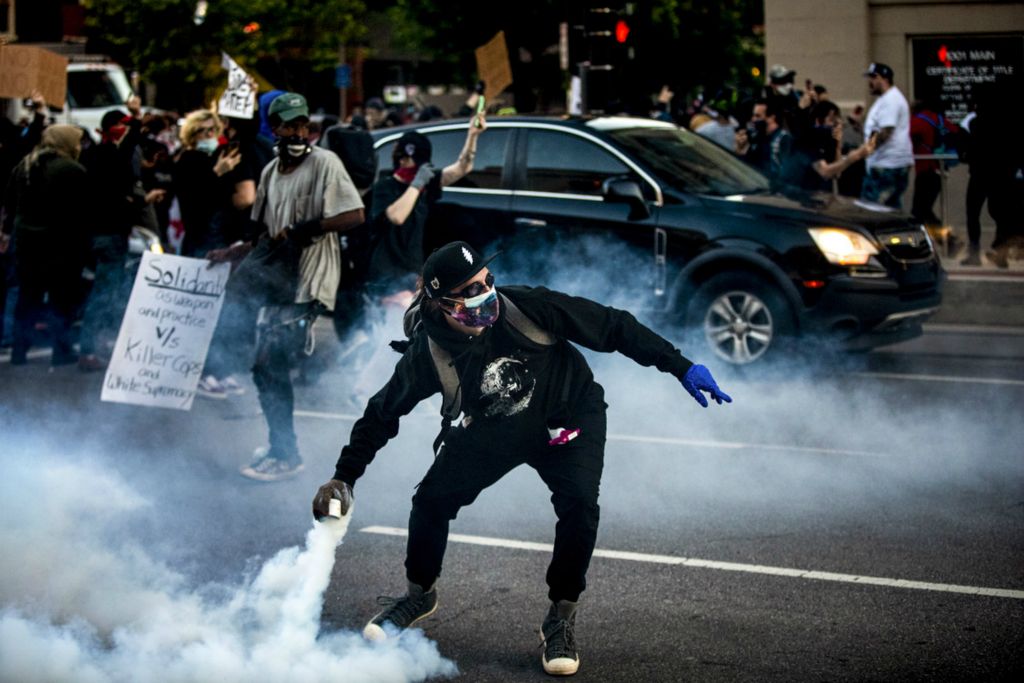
709 245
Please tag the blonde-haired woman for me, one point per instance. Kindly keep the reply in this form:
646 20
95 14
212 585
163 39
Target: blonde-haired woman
204 182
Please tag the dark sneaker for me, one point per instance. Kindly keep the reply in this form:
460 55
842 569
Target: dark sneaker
269 466
209 387
558 638
973 258
401 613
91 363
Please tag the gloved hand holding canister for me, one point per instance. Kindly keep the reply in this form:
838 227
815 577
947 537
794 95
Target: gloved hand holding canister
423 176
305 232
698 378
332 490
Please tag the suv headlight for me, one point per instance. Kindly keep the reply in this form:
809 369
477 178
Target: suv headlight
843 247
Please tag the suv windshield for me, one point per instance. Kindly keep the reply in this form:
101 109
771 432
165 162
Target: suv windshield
689 163
97 88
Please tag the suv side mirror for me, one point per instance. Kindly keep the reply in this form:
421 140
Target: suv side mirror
625 191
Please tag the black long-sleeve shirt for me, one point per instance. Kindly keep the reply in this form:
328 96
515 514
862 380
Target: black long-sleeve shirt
509 383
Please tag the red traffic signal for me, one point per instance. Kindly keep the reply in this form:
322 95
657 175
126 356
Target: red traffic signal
621 31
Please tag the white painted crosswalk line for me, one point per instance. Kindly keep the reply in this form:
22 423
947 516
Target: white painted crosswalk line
725 566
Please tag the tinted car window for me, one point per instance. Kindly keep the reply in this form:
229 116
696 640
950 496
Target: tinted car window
689 163
564 163
446 147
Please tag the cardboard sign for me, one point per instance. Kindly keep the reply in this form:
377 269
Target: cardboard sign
239 100
24 68
166 332
493 66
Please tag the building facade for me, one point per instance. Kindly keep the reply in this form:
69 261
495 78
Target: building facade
945 50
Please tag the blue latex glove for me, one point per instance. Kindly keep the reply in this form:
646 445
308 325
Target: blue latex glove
698 378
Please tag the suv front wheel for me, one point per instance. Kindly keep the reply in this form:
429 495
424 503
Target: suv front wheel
741 317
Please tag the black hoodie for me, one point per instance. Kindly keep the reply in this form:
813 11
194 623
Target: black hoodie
511 385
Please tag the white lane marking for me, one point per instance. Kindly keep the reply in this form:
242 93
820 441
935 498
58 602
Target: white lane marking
663 440
981 330
38 353
735 445
724 566
939 378
1009 278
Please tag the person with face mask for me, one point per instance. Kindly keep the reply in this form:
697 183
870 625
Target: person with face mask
204 182
46 207
115 178
401 205
504 360
286 278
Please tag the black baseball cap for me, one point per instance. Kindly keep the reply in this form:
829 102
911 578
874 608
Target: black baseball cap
878 69
415 145
450 266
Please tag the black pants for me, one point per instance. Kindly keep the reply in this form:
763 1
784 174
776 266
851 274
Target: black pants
44 268
976 195
471 461
1004 206
927 186
267 277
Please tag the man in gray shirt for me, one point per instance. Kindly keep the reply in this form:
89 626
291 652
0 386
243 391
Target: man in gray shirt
291 274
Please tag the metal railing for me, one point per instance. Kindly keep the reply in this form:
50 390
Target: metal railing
942 159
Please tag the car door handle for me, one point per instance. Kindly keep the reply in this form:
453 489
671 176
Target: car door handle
530 223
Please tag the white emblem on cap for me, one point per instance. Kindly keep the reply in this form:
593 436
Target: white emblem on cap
435 283
467 255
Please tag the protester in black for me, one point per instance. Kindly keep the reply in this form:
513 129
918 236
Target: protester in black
115 180
46 203
816 158
528 396
401 205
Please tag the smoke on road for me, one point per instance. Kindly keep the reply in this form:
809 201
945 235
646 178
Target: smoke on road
81 603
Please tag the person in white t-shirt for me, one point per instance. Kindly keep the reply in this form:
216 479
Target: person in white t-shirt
888 169
289 276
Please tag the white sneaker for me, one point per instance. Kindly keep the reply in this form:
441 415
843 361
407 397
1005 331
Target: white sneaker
209 387
231 386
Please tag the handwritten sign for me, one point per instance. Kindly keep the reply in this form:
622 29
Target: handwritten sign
24 68
493 66
239 100
166 332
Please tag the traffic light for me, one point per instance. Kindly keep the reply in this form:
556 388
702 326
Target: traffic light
621 31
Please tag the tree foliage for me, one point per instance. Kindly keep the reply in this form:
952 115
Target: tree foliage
688 44
160 39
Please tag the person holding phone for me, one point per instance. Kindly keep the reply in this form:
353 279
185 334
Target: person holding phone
203 181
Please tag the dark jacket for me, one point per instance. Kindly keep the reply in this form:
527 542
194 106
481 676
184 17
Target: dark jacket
510 384
48 196
115 183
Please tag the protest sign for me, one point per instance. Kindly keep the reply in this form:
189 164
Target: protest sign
493 66
166 332
24 68
239 100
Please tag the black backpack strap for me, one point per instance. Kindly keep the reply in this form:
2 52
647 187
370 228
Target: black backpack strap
451 394
527 327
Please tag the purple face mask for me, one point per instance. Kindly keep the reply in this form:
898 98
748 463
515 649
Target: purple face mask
478 311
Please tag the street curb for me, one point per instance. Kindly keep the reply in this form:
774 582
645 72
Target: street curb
987 299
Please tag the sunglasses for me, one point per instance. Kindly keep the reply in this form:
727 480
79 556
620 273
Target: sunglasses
206 130
473 290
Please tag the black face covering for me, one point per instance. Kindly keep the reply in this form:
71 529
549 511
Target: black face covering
757 129
292 150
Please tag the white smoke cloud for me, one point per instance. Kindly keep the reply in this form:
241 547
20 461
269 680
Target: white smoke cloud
78 605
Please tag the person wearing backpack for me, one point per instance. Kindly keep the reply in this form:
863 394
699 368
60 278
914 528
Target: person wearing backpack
515 390
930 134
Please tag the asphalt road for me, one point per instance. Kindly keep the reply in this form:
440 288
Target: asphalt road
851 519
